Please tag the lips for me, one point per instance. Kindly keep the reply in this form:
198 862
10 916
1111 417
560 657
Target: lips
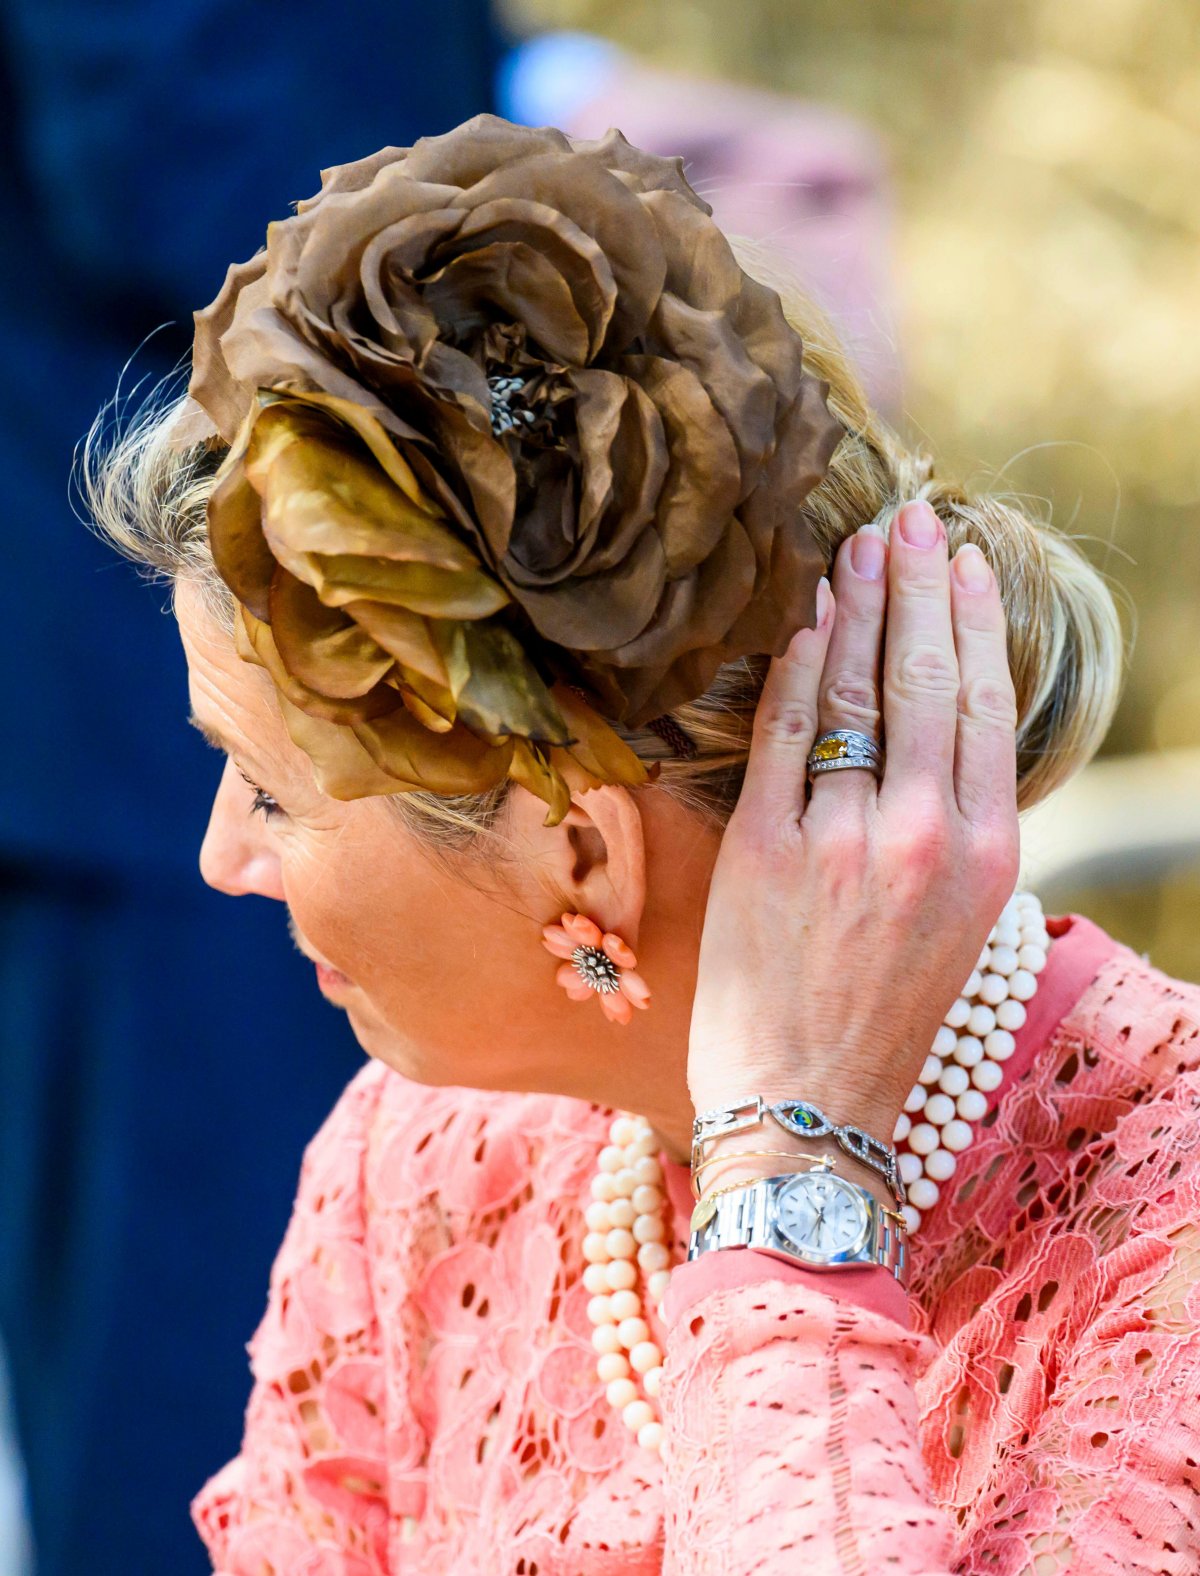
328 977
331 979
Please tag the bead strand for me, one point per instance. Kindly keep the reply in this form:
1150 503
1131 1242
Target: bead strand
966 1061
627 1233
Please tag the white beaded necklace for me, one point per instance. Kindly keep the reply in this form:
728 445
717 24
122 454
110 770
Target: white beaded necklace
966 1060
627 1232
626 1224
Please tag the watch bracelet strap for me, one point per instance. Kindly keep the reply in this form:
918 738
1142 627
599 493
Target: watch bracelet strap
739 1220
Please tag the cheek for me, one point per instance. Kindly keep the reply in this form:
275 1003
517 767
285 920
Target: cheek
436 957
374 910
334 900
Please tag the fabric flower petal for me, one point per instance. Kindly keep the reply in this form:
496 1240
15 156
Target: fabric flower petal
320 646
441 763
516 450
532 769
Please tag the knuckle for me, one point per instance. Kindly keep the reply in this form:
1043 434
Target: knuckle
924 840
757 841
840 856
925 672
989 698
851 695
996 856
788 721
923 580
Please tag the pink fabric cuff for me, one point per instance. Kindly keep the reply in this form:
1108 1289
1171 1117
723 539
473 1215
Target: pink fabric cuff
869 1285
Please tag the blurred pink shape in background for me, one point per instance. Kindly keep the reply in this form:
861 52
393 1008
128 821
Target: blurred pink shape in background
808 181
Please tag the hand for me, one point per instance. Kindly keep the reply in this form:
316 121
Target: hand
839 932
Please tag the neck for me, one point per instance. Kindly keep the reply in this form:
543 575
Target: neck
649 1082
640 1069
644 1072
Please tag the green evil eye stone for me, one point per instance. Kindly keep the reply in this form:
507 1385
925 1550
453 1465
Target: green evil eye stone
803 1117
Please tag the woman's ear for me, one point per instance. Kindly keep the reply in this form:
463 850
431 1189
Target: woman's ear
595 859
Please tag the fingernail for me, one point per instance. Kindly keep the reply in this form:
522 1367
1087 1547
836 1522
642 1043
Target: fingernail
971 568
919 526
867 554
824 602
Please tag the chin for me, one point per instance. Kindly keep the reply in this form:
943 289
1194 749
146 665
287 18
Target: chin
382 1043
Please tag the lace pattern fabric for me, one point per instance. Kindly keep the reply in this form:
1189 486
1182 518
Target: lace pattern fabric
425 1399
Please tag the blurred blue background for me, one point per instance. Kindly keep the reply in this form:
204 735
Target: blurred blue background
164 1054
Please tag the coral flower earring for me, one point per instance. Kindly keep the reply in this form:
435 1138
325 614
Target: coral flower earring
596 963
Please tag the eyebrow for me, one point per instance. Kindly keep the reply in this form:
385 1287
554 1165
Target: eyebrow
209 734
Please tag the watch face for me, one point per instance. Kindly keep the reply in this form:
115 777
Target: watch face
820 1215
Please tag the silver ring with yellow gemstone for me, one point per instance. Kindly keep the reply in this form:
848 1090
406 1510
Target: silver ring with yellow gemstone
843 748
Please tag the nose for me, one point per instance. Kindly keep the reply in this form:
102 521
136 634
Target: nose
238 856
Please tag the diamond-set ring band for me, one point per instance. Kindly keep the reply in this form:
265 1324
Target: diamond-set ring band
840 749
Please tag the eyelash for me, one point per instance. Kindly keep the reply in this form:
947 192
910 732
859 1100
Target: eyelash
262 799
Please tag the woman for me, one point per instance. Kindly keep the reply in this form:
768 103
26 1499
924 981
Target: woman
498 481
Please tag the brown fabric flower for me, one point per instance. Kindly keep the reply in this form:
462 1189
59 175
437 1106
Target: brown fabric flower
508 423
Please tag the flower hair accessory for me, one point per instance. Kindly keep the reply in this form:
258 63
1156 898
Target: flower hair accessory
515 447
597 963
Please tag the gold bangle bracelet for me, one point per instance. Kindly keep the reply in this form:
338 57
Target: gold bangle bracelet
776 1154
753 1154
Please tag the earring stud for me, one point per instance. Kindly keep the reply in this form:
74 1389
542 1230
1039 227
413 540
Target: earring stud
596 963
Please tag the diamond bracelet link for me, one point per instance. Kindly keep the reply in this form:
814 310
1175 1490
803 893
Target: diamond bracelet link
803 1119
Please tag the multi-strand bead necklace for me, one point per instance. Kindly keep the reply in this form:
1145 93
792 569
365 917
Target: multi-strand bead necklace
627 1233
627 1230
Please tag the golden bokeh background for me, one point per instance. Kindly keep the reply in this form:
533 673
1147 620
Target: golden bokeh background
1045 161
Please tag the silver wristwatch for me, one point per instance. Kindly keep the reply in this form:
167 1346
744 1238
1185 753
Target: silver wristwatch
814 1218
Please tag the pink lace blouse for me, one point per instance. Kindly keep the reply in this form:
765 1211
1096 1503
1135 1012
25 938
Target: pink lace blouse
425 1398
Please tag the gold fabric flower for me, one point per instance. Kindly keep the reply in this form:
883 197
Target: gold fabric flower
514 442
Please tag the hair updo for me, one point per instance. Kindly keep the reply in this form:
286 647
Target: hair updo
147 496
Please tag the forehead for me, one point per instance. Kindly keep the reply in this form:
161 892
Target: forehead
232 700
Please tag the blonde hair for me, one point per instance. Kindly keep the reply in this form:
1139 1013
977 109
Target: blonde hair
147 495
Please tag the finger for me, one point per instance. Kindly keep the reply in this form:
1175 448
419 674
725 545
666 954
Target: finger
920 668
985 760
849 691
785 721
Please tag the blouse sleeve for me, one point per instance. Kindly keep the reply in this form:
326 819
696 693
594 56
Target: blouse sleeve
308 1489
792 1442
794 1421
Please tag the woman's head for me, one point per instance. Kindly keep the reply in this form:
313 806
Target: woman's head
444 974
408 894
